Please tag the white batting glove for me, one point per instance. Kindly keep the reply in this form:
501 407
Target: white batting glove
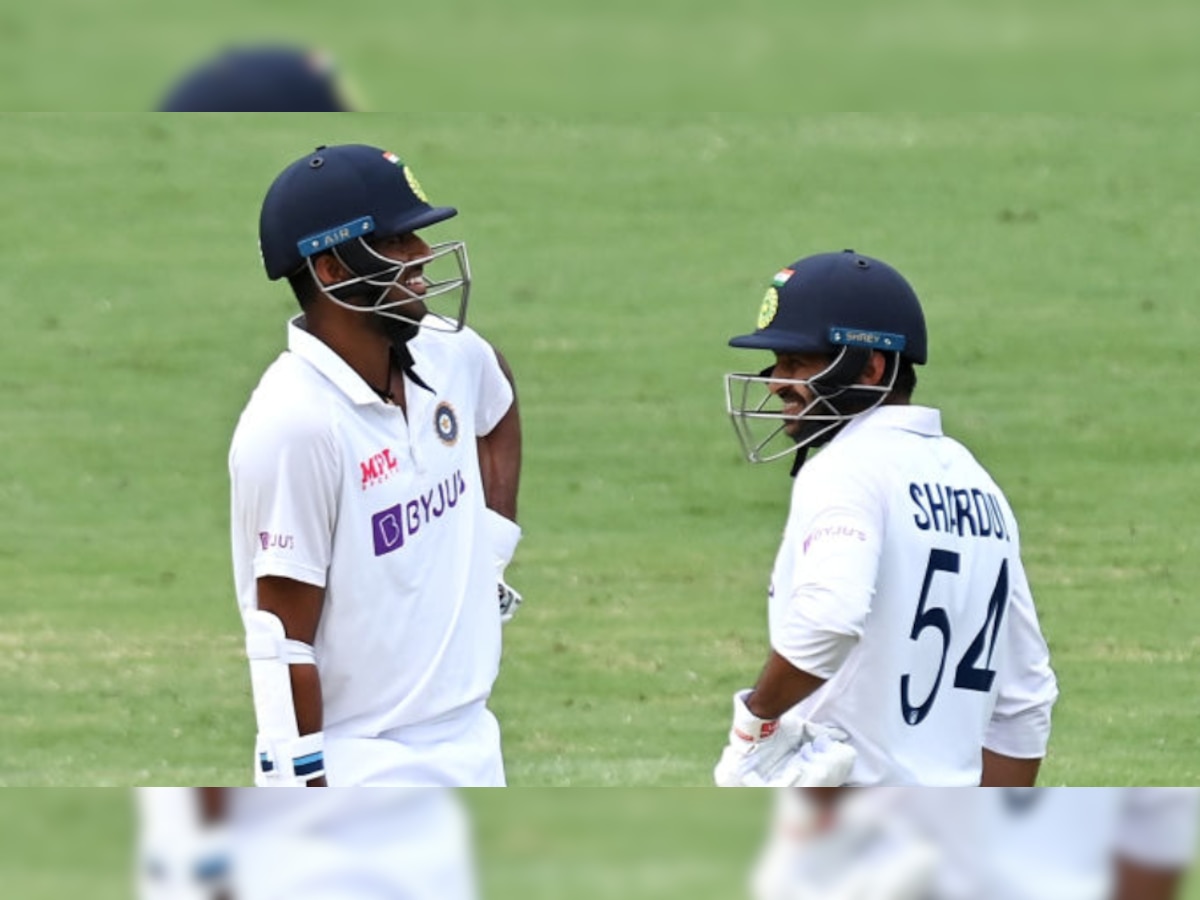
503 535
757 747
510 601
783 752
824 761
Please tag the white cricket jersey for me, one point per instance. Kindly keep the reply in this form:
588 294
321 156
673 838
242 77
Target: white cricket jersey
352 844
899 580
997 844
335 488
1063 843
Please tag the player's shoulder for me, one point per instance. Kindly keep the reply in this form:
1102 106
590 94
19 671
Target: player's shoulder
291 404
464 349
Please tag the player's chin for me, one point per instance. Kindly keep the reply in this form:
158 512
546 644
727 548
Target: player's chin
794 429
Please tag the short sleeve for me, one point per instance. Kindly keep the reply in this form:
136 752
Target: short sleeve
285 476
1020 724
1159 826
495 393
836 531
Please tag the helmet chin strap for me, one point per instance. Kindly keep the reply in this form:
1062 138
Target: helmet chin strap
398 333
836 387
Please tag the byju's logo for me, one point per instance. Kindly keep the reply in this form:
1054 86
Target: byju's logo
280 541
393 526
378 467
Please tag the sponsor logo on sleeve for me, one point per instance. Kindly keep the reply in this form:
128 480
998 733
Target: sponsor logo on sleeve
272 540
845 532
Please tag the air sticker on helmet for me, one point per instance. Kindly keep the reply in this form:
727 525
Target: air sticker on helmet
315 243
770 305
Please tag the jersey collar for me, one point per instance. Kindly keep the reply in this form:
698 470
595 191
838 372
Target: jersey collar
923 420
322 357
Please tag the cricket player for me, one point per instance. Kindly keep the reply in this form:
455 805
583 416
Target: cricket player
905 648
1008 844
246 844
269 78
374 482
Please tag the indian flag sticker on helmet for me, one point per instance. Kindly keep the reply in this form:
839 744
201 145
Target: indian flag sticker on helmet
770 306
393 158
781 277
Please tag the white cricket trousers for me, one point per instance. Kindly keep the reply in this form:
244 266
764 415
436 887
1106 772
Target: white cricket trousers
460 750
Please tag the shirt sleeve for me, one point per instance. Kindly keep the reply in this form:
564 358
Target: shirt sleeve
1159 826
1020 724
494 394
836 529
285 475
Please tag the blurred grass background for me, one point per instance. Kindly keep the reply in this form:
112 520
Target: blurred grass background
624 55
535 844
613 256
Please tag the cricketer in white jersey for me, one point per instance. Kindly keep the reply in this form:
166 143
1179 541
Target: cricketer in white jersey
374 476
350 844
899 582
905 648
966 844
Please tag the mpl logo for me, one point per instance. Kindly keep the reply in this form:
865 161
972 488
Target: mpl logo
378 468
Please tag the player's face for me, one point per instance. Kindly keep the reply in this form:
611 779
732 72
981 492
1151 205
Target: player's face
790 367
405 248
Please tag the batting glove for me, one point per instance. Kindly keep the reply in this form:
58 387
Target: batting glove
510 600
197 869
503 535
783 752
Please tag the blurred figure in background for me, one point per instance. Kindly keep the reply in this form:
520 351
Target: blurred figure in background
352 844
262 79
964 844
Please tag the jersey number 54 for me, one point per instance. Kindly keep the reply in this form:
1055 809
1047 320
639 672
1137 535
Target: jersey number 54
967 675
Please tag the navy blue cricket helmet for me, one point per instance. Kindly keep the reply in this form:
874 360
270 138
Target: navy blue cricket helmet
841 305
342 199
260 79
335 194
821 303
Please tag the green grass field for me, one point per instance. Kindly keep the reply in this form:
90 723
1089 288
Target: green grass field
623 55
535 844
613 256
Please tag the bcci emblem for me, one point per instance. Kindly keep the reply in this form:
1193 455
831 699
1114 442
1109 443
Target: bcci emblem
415 185
770 306
446 424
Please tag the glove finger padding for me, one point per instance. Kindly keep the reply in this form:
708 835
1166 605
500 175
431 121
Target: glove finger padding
510 601
823 762
757 747
503 535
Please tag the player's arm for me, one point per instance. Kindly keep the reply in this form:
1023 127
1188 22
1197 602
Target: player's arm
1140 882
500 455
500 468
297 607
1156 842
780 687
1008 771
1019 730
